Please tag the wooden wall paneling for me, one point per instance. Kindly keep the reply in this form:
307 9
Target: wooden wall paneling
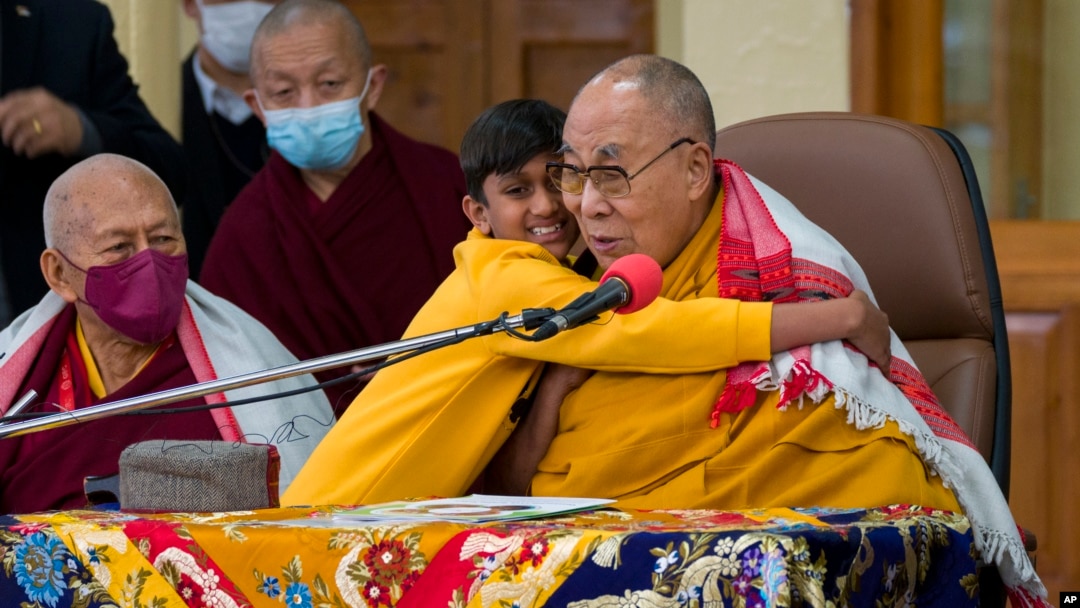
1038 262
897 59
1034 345
1045 348
1065 460
548 48
435 51
451 59
866 56
1039 266
916 45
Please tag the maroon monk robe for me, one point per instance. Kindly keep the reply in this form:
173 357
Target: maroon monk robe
45 470
352 271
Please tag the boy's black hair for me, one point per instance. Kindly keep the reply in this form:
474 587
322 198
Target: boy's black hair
505 137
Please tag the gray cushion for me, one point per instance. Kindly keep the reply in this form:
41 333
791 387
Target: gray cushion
198 476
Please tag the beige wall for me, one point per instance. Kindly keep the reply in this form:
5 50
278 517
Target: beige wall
149 33
758 58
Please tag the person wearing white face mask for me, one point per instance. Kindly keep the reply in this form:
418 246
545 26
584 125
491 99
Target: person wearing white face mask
349 228
223 140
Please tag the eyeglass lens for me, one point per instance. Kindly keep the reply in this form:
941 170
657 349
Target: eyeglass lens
613 182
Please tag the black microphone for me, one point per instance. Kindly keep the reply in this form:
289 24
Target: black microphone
630 284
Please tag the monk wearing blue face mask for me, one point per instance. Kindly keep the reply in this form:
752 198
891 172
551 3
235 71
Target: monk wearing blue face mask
350 226
319 138
122 320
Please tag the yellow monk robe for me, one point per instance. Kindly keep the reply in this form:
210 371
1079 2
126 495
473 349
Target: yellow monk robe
428 426
645 438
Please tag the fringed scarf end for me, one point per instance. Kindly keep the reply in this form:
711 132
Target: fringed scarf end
1020 597
735 398
995 547
803 381
864 416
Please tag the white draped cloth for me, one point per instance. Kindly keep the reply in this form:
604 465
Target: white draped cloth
220 341
770 251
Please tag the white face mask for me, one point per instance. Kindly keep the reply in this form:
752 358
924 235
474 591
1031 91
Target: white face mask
228 30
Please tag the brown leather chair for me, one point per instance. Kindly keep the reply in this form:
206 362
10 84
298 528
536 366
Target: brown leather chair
904 200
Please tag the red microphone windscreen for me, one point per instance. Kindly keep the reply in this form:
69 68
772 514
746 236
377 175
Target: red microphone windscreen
642 275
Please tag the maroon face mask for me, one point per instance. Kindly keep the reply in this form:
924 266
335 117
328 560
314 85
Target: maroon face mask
141 297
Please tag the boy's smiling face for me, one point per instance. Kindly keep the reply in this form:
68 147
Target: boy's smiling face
525 206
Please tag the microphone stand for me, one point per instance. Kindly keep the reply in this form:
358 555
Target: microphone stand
529 319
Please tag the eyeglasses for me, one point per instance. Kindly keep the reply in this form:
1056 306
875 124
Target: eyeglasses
610 180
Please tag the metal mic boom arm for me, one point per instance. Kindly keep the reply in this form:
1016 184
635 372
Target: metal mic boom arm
528 319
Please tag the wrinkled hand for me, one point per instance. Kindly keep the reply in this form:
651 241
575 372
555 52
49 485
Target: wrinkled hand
871 335
34 122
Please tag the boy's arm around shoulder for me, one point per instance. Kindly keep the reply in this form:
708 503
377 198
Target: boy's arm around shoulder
854 318
665 337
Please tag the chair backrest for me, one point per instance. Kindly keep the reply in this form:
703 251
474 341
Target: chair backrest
902 198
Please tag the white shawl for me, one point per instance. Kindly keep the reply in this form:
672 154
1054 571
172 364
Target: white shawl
220 341
762 226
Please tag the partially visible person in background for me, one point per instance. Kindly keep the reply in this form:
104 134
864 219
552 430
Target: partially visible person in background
65 94
351 225
225 143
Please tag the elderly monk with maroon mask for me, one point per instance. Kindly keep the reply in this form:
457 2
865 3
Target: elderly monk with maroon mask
123 320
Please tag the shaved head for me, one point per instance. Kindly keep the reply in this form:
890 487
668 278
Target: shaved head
639 112
90 186
308 12
674 94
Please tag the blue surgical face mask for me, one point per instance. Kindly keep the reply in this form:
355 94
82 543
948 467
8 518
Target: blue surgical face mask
320 138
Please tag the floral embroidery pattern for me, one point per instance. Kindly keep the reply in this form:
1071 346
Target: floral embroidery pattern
377 569
296 593
382 563
190 576
532 564
134 589
748 569
40 564
886 556
533 550
44 571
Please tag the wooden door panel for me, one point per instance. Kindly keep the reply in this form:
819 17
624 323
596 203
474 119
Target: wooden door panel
413 101
434 52
1032 346
555 73
549 48
451 59
1040 279
1045 350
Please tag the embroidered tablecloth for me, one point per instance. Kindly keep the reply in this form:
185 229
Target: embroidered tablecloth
305 558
